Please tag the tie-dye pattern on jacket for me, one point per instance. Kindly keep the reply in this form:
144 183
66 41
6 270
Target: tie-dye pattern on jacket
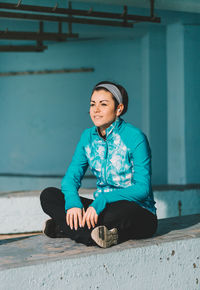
121 164
110 163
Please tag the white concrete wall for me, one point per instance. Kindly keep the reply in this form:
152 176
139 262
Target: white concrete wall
21 212
172 265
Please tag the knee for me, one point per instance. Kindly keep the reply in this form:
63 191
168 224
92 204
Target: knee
46 193
108 218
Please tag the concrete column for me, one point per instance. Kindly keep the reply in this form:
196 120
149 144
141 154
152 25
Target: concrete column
176 104
192 102
154 103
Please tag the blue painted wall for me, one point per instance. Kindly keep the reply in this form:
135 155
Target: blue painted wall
42 116
192 102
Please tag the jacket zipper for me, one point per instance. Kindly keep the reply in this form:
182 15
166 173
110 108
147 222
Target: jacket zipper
104 168
105 162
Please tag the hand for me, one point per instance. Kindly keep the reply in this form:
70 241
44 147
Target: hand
90 217
74 217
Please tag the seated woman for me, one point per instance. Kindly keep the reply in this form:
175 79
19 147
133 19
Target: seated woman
119 156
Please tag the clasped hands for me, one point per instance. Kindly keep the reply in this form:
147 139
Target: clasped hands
76 216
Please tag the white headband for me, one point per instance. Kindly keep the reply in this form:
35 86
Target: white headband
113 90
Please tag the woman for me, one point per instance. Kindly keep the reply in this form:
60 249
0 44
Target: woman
119 156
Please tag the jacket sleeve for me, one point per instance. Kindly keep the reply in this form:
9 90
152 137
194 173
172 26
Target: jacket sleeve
71 182
141 155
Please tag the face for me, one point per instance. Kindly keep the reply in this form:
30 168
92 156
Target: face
102 109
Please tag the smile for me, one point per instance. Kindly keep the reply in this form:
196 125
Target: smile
97 117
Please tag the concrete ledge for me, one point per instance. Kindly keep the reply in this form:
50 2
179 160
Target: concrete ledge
170 260
21 211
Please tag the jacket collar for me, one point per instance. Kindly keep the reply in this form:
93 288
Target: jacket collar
114 126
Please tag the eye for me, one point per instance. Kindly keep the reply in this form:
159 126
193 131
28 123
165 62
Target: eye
104 104
91 105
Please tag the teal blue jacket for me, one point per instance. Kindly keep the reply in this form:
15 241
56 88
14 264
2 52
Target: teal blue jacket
121 164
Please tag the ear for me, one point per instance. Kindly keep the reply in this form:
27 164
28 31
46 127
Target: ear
120 109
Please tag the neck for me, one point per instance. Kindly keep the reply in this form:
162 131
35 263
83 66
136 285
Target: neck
103 128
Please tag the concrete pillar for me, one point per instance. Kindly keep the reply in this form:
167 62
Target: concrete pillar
176 104
154 103
192 102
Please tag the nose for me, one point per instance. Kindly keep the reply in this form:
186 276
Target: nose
97 108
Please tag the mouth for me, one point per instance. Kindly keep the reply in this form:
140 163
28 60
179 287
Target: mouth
97 117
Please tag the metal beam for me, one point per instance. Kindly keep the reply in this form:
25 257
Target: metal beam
42 17
188 6
152 8
42 72
26 35
22 48
78 12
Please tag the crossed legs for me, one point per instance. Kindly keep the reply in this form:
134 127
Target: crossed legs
131 220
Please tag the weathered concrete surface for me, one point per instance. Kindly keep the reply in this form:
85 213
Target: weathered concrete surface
171 203
170 260
21 211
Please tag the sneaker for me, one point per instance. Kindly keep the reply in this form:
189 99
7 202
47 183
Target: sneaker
52 230
103 237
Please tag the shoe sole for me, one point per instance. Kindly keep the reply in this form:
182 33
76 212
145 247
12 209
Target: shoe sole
103 237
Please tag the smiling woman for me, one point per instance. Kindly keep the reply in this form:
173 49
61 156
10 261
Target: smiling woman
119 156
102 110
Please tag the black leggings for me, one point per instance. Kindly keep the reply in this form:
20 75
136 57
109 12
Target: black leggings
131 220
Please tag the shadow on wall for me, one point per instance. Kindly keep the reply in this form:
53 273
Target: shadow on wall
172 224
178 202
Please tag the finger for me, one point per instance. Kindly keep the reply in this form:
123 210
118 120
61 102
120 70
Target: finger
83 220
88 221
92 221
71 221
80 219
76 221
96 218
